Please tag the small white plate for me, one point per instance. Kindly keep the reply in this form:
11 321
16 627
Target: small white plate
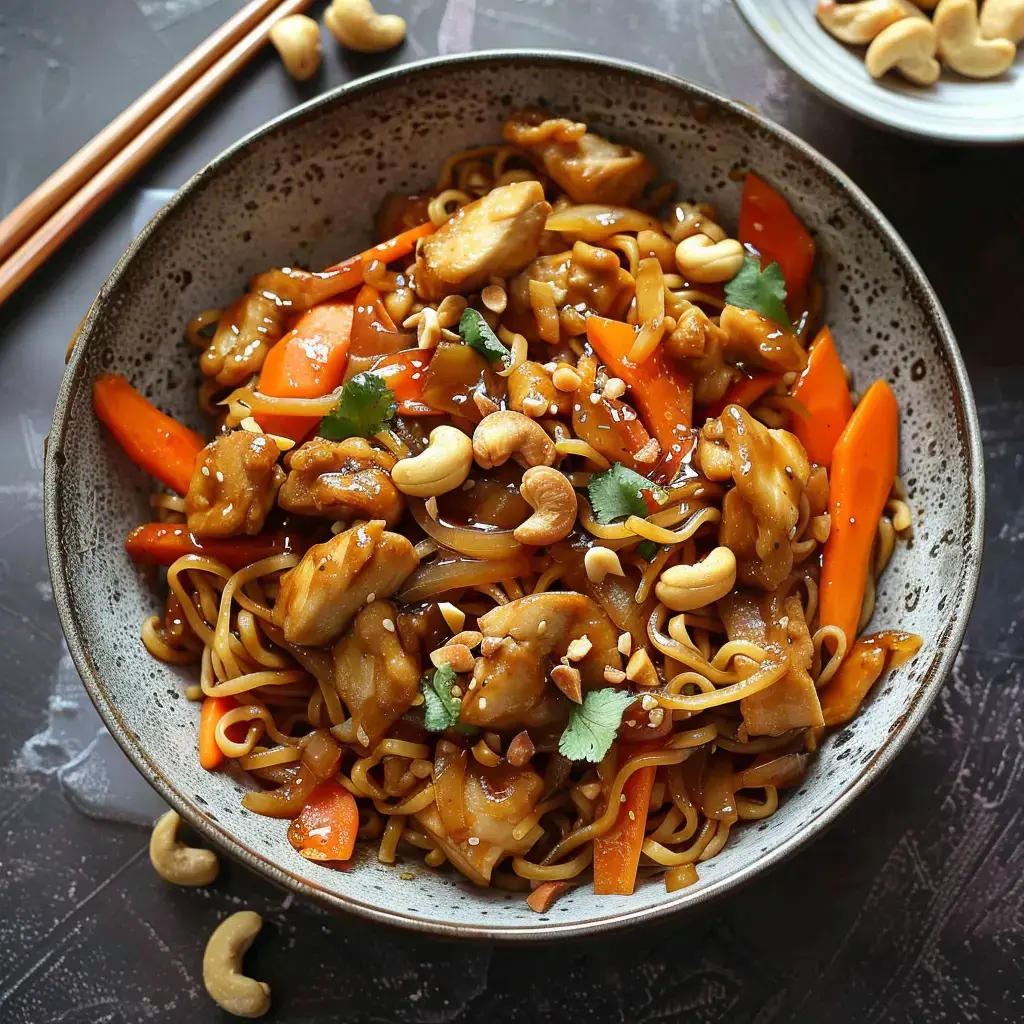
955 109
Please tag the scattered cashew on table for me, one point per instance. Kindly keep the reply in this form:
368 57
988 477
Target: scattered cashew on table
901 37
222 967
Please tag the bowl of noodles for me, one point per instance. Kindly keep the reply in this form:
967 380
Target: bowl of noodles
514 496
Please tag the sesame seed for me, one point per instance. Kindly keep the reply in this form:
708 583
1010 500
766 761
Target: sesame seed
542 627
483 703
473 841
220 477
206 471
456 691
632 816
389 625
648 703
622 798
371 597
595 398
631 722
553 409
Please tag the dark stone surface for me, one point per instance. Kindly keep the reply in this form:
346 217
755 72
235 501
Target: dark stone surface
910 910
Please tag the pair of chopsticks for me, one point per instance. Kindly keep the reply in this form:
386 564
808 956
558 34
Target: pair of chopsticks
40 224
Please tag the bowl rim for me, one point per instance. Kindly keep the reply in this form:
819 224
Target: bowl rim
880 115
948 643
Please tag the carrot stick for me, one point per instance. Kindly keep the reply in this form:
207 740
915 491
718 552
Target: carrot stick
161 446
744 392
769 225
863 469
308 362
350 271
662 394
823 390
326 827
617 852
213 710
165 543
541 899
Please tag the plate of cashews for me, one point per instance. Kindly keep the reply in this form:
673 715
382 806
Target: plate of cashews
941 69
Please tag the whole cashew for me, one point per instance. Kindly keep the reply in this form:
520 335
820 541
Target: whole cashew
1002 19
859 22
355 24
441 467
222 967
962 46
686 587
554 503
175 862
704 261
506 433
297 39
909 47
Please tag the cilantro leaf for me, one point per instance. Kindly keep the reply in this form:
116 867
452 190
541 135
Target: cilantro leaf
592 725
647 549
618 491
761 290
365 408
440 708
477 333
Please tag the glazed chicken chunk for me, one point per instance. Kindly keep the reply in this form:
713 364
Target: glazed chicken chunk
321 595
510 686
587 166
234 485
341 480
760 514
376 676
244 334
496 236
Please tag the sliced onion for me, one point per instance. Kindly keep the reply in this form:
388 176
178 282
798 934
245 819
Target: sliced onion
455 572
467 540
593 222
314 408
449 775
771 770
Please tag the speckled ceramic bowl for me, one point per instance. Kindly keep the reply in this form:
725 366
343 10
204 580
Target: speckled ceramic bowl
305 188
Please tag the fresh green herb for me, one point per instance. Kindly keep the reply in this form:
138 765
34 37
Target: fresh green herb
477 333
619 492
592 725
364 409
647 549
762 290
440 708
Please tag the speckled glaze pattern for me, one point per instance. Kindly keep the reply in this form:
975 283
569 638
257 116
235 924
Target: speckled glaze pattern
304 189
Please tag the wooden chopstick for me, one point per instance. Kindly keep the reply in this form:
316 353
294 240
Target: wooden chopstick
60 186
136 151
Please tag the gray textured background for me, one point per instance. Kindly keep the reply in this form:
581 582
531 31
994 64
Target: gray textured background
910 910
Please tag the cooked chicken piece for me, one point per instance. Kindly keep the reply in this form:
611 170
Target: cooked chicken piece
376 676
698 345
510 688
234 484
553 269
530 391
755 340
598 280
759 516
495 236
321 595
341 480
792 702
298 289
245 331
588 167
496 800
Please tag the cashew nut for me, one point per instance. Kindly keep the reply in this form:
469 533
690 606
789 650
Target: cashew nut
859 22
441 467
686 587
600 561
909 47
704 261
355 24
554 503
297 39
175 862
506 433
1002 19
222 967
963 47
